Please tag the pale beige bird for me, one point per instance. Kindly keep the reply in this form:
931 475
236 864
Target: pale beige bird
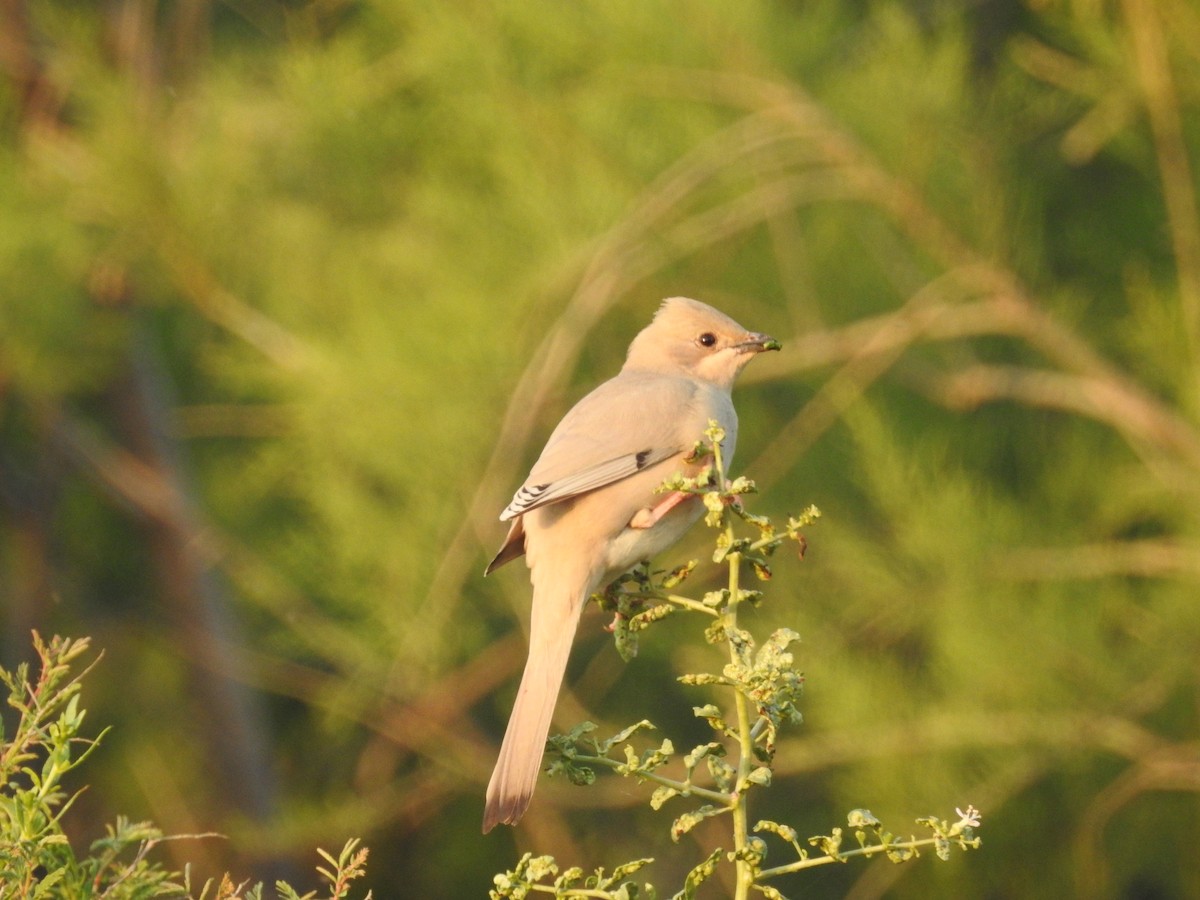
588 510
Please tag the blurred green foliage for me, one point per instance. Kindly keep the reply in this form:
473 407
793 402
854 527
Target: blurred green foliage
292 291
47 743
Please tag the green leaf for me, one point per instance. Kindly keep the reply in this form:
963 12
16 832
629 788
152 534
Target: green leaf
689 820
703 751
626 869
698 876
861 818
679 574
661 795
760 776
829 844
625 734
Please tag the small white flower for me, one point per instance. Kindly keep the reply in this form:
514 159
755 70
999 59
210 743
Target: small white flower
968 819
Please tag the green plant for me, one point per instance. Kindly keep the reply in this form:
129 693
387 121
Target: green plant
764 687
36 857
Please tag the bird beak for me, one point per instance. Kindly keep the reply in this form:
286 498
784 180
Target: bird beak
756 342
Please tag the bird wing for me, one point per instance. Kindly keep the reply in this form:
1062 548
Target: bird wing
625 425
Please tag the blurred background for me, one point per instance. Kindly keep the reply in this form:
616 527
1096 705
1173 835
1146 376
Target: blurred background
291 293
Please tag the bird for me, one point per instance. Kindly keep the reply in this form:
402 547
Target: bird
589 510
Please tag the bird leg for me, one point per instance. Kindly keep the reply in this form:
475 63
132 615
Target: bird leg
648 516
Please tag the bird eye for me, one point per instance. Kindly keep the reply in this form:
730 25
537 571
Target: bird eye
707 339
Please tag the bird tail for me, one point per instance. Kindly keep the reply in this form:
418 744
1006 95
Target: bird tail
551 633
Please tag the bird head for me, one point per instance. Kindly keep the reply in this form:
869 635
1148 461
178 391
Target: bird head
691 338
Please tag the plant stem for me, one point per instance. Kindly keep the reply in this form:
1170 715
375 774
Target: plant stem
843 855
571 892
741 813
689 603
745 753
685 789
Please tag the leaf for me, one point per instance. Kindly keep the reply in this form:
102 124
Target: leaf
769 892
625 639
786 832
714 503
861 818
626 869
569 878
698 876
689 820
722 772
742 485
703 751
753 852
625 734
760 776
702 678
698 452
654 614
829 844
661 795
712 715
716 632
679 574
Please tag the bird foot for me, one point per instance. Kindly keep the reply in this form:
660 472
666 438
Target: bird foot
650 515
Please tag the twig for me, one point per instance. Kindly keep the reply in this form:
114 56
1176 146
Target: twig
1153 69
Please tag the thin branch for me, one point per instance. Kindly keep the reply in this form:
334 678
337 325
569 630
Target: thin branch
1153 66
873 349
1174 768
685 789
1118 403
792 106
1139 558
198 283
431 724
941 732
141 489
